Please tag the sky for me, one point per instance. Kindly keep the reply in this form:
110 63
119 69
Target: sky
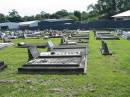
33 7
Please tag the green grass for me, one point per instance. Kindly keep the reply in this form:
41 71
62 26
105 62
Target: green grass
107 76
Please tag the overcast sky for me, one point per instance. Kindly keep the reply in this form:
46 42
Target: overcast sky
32 7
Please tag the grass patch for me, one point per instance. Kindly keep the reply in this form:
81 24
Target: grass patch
107 76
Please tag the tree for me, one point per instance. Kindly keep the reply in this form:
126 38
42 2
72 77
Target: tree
44 15
2 18
14 16
123 5
107 8
62 13
72 17
38 17
77 14
84 16
28 18
54 16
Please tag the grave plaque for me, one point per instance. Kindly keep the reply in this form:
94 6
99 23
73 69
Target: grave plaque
2 65
62 39
50 45
104 48
32 53
6 39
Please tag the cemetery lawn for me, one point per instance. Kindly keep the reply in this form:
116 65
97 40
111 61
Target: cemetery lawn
107 76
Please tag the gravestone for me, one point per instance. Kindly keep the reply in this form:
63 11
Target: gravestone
6 39
32 53
21 44
2 65
50 45
104 48
69 36
94 33
55 65
62 39
50 34
24 36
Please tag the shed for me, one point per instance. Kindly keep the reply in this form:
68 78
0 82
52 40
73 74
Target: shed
9 26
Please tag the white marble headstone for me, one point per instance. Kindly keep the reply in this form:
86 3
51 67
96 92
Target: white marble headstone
50 45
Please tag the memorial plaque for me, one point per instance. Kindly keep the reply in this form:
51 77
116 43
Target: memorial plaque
62 65
32 53
75 60
104 48
6 39
63 40
50 45
2 65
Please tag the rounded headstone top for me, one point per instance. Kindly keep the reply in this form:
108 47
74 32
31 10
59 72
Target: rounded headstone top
22 43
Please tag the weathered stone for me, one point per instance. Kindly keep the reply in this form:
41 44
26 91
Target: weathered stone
50 45
32 53
104 48
6 39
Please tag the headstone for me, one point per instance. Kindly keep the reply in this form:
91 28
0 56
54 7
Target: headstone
104 48
21 44
94 33
2 65
69 36
6 39
50 34
24 36
52 53
62 39
50 45
32 53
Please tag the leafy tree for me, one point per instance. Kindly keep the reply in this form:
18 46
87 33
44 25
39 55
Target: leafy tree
14 16
77 14
44 15
62 13
28 18
72 17
2 18
107 8
84 16
38 17
54 16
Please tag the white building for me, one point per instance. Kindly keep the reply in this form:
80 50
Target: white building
29 23
124 15
9 25
21 25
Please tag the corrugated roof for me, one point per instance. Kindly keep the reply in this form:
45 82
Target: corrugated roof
55 20
123 14
8 23
28 22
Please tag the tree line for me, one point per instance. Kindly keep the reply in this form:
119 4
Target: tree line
107 8
102 9
13 16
